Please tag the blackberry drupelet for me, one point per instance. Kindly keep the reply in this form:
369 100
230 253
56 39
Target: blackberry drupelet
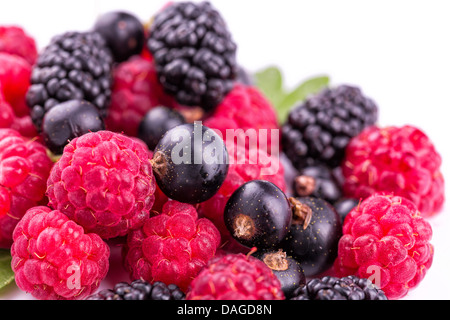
319 130
140 290
194 53
75 65
333 288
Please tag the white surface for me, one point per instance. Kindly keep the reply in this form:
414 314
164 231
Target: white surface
397 51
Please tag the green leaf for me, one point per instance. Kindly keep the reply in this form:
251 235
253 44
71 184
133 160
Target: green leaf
6 273
270 82
309 87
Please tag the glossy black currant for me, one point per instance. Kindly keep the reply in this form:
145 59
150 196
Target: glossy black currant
190 163
69 120
258 214
288 270
314 235
123 33
156 123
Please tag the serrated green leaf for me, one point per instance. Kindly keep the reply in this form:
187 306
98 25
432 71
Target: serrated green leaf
309 87
6 273
270 82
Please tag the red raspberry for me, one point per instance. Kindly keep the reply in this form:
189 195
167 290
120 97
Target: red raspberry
240 171
6 114
235 277
245 107
8 119
401 160
387 241
53 259
15 73
24 169
136 90
14 40
172 246
104 182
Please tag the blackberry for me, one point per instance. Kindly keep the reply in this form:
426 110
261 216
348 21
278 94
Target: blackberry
194 53
140 290
332 288
75 65
319 130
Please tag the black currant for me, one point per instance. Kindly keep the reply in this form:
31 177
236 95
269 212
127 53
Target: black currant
123 33
288 270
190 163
314 234
156 123
258 214
344 206
67 121
319 182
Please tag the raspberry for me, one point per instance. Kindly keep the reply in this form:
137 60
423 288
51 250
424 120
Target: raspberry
235 277
235 110
402 160
104 182
136 90
15 73
14 40
387 241
240 171
53 259
24 169
172 246
8 119
6 114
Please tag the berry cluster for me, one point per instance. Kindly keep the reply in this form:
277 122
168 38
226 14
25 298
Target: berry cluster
121 133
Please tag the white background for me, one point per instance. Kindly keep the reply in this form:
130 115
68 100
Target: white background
397 51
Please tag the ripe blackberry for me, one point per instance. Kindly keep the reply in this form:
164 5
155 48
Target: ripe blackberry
194 53
140 290
320 129
333 288
75 65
